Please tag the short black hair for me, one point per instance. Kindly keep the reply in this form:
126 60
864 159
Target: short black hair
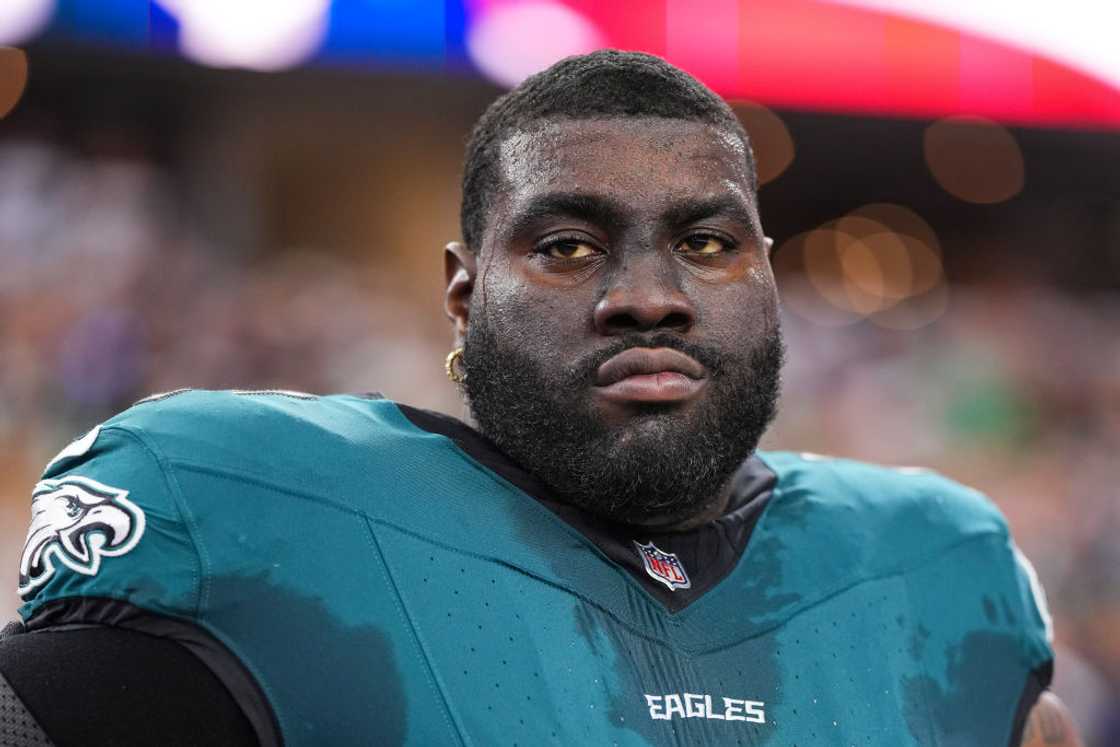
603 84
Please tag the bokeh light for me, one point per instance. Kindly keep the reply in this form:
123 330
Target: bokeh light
13 78
915 311
773 145
510 42
874 264
974 159
809 279
911 253
881 262
20 20
264 35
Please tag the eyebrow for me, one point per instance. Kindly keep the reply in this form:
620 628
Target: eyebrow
725 205
606 211
593 208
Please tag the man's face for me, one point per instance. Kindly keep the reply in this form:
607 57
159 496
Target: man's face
622 340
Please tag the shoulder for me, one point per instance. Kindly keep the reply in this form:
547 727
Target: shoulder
122 511
232 430
912 504
939 535
264 435
255 426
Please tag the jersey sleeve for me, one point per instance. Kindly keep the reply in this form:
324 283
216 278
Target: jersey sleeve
1001 571
107 524
956 514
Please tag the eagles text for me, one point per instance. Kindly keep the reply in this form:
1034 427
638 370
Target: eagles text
693 705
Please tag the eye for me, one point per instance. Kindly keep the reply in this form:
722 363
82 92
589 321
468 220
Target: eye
568 249
704 244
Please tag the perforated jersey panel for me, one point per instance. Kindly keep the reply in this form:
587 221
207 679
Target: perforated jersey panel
18 728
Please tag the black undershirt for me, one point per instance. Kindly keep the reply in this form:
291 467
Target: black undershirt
101 685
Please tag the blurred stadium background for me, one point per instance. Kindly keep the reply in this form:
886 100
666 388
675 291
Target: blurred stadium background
197 193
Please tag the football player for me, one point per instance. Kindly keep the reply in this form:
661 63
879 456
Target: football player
604 557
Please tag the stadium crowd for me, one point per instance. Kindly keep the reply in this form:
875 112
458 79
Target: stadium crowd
107 295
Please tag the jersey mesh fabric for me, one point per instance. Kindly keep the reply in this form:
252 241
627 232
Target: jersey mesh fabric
18 728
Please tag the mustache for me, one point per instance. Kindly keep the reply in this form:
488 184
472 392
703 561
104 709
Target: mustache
585 368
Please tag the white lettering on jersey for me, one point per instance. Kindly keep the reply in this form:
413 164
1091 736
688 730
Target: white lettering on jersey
694 705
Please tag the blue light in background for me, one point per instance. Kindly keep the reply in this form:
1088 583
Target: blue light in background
392 31
163 30
423 33
124 22
455 33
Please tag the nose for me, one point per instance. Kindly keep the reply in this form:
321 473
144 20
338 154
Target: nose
643 302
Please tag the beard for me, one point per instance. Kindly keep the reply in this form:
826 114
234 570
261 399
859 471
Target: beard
662 464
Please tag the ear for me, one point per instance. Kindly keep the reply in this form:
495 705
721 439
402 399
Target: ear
459 267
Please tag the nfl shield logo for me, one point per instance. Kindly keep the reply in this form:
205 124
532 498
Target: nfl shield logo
663 566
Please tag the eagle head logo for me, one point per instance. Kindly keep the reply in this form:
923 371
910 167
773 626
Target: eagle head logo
76 521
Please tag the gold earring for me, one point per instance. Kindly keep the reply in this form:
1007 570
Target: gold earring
455 356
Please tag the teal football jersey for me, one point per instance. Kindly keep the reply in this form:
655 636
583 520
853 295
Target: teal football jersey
356 578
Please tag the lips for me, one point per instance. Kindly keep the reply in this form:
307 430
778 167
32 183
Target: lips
650 375
640 361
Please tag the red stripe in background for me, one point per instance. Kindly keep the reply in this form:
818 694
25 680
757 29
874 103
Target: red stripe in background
703 38
628 24
995 81
805 54
1062 96
923 68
